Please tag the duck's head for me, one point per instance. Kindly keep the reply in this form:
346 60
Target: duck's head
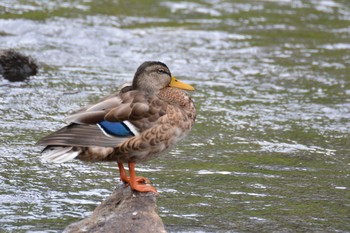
153 76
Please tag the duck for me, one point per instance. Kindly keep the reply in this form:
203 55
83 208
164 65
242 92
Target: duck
139 122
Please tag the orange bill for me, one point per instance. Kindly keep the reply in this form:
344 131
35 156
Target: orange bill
178 84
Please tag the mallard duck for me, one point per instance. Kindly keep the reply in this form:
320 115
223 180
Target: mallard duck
138 123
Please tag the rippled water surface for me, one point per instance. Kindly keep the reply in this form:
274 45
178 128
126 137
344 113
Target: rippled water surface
269 151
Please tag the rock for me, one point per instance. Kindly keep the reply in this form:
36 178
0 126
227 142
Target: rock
123 211
15 66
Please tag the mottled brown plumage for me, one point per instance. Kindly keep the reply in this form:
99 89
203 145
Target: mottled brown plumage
136 124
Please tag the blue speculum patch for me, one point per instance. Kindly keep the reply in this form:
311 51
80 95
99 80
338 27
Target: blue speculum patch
116 128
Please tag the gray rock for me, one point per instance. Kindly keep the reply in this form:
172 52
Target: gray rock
15 66
123 211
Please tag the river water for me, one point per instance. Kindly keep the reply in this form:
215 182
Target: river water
270 148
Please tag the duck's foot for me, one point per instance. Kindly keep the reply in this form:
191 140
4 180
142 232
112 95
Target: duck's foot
134 181
139 179
142 187
126 179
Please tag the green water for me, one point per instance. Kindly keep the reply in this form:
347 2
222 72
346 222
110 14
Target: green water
270 148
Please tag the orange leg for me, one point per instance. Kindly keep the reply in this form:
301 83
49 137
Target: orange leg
122 172
126 179
137 186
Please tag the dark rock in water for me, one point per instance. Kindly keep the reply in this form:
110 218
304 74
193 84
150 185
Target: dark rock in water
15 66
123 211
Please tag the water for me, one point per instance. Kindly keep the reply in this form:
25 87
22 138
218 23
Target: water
269 151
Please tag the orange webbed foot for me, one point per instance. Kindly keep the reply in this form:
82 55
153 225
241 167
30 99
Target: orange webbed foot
139 179
135 183
142 180
143 187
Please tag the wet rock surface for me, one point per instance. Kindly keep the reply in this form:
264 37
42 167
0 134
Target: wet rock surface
123 211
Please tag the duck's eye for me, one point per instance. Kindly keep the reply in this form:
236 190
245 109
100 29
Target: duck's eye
161 71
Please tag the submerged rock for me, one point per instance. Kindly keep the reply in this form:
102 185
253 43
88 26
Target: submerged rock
123 211
15 66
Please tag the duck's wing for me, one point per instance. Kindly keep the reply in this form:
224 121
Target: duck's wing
82 135
94 113
88 127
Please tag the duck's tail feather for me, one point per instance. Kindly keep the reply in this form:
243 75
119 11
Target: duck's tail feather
59 154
